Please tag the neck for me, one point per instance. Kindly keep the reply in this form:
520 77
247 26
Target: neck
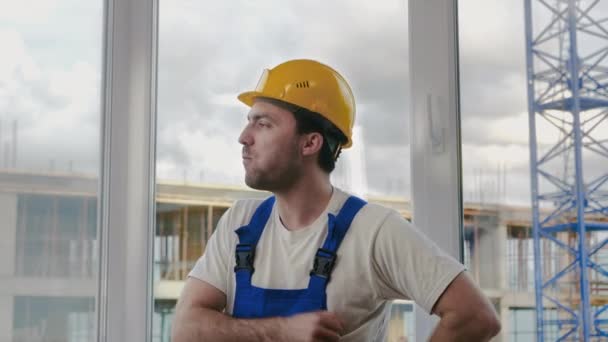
304 201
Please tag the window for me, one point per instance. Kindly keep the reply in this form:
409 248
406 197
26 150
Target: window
401 325
49 159
496 156
204 64
74 318
56 236
523 325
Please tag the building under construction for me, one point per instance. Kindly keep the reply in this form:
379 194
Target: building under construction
50 251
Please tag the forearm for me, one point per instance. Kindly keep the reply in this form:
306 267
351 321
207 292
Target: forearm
199 324
465 329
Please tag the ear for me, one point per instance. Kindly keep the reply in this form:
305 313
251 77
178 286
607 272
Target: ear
311 143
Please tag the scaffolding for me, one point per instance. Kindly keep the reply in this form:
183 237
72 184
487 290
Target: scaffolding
567 76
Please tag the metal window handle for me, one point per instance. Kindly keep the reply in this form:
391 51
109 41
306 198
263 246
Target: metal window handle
436 129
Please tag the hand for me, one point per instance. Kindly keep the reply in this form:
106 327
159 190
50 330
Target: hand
313 327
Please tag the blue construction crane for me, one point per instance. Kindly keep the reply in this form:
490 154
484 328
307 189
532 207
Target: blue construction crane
567 74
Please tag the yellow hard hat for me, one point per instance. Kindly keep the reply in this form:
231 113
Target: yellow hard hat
310 85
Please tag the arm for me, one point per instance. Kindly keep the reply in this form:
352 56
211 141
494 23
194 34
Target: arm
199 318
199 313
408 265
466 314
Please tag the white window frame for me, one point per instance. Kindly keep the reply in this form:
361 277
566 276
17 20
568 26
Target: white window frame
435 130
127 207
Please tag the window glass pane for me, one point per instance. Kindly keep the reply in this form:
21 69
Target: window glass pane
499 242
204 64
495 159
401 324
50 81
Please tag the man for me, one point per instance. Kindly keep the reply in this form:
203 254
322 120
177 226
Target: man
313 263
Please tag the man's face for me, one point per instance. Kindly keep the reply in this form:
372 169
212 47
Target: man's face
270 142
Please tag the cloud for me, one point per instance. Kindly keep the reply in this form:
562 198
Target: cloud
23 11
493 145
492 58
209 52
507 130
493 94
488 91
388 169
57 110
204 64
492 33
216 161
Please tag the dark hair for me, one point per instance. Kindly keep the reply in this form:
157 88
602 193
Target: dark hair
333 138
310 122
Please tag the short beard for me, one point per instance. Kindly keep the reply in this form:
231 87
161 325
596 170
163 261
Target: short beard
272 184
283 179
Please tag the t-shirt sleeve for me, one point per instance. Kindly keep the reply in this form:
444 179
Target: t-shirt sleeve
408 265
213 265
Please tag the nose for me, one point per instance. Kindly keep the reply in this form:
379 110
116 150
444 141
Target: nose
245 138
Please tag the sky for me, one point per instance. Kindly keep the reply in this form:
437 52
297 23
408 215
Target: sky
50 79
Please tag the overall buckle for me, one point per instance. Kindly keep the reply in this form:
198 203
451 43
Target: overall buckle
324 263
244 257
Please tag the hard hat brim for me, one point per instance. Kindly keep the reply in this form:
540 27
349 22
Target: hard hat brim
248 97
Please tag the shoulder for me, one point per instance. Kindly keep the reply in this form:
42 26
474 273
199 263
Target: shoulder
246 207
380 223
240 213
378 211
374 217
242 210
369 211
378 215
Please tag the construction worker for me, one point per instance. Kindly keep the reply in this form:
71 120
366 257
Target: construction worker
313 263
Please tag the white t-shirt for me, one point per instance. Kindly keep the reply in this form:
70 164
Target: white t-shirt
382 257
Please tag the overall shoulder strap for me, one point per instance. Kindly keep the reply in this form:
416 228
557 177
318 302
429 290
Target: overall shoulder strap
251 233
325 257
249 236
342 222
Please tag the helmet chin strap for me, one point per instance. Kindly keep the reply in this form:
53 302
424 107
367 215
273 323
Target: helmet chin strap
338 151
334 146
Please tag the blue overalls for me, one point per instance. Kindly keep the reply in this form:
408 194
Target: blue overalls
254 302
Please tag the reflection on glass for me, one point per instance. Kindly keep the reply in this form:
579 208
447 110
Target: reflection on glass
50 79
204 64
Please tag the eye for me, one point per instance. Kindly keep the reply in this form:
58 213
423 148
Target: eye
263 124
